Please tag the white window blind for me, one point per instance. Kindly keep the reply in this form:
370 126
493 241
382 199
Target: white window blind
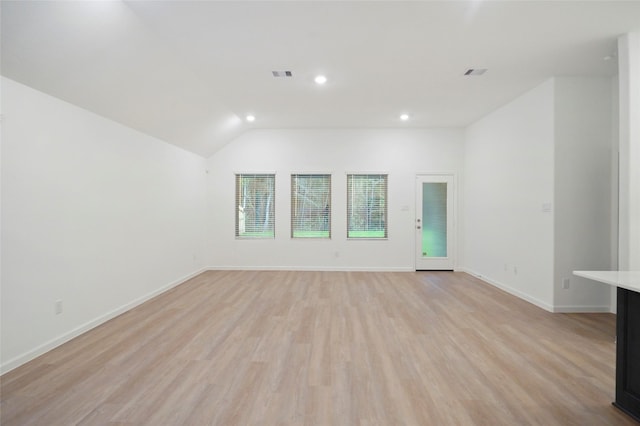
255 211
366 206
310 206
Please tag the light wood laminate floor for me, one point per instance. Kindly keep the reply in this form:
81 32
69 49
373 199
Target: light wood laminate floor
326 348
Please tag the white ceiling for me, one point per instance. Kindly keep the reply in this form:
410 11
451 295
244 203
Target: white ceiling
189 72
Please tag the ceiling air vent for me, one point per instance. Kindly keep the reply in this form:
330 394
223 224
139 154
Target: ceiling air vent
475 71
282 73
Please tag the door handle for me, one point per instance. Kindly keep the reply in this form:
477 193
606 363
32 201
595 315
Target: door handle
417 227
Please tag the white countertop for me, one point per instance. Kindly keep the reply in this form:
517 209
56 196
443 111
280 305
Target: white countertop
624 279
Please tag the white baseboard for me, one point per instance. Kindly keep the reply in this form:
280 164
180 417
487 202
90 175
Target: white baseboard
510 290
581 309
539 303
314 268
53 343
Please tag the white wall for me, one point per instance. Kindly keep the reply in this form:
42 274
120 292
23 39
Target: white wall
615 172
93 213
629 184
538 201
400 153
509 176
583 182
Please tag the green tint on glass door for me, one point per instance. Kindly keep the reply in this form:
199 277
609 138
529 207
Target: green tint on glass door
434 219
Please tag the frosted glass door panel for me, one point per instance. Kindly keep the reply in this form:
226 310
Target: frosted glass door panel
435 223
434 219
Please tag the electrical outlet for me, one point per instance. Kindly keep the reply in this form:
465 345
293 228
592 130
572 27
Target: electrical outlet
58 307
565 284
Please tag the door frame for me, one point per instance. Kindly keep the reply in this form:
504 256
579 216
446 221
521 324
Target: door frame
452 252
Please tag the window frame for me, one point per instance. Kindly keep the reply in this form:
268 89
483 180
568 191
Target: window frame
270 235
349 206
293 198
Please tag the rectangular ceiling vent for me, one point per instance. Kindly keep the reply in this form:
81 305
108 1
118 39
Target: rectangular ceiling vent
282 73
475 71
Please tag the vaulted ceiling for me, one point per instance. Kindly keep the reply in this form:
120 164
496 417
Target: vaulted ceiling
189 72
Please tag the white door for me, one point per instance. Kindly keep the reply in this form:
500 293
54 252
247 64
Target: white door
434 222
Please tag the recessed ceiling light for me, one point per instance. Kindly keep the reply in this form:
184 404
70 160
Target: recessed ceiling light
251 118
321 79
404 117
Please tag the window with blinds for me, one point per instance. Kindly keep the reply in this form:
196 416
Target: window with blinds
255 211
310 206
366 206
